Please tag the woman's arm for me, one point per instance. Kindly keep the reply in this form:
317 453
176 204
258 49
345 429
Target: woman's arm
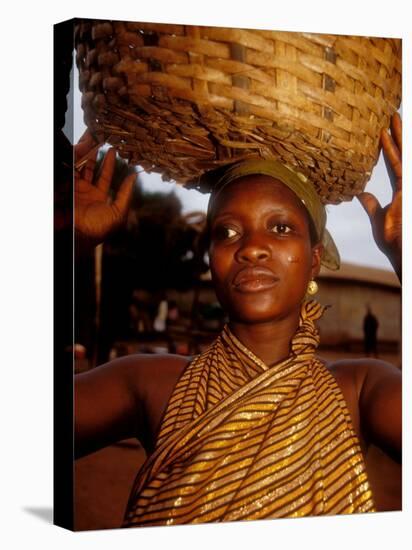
122 399
126 397
380 401
380 407
106 406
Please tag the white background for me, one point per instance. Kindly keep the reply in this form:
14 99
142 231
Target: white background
26 275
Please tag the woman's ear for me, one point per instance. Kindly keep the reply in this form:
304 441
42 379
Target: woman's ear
317 252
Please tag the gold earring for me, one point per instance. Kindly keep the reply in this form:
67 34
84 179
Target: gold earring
312 287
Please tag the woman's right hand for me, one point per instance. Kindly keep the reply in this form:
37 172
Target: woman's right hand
95 216
386 222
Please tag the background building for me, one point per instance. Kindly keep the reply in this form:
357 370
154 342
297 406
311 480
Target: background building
350 292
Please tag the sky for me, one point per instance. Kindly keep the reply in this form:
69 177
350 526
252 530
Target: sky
347 222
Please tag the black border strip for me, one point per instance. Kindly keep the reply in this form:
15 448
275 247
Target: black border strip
63 476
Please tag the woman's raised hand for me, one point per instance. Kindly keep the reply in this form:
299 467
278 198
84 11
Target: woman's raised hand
386 221
95 216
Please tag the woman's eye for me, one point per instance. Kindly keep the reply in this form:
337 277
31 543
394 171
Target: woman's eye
222 233
230 232
281 228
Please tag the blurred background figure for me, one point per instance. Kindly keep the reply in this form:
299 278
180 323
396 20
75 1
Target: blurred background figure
160 322
139 312
370 331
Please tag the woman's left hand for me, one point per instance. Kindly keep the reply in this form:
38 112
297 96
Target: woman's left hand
386 221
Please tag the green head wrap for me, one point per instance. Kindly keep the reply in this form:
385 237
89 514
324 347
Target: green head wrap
297 183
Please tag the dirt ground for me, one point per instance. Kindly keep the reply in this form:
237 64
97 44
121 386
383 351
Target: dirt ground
103 481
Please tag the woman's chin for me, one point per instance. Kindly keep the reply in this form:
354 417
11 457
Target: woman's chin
249 317
253 311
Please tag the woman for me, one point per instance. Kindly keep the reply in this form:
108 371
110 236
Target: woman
257 426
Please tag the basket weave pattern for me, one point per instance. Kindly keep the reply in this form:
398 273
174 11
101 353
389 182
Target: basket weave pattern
182 100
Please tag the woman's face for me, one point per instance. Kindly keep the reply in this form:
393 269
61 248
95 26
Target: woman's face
261 255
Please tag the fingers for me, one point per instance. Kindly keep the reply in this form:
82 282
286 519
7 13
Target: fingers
86 136
392 153
81 187
85 145
124 194
89 170
106 174
370 204
396 130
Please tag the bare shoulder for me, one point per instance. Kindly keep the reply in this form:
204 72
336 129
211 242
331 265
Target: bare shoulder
142 370
362 372
373 392
124 398
151 378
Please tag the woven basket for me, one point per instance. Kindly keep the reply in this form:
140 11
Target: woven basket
181 100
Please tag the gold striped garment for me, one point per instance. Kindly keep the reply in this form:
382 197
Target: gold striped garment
241 440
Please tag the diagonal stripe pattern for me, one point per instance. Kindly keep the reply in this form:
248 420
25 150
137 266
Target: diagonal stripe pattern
241 440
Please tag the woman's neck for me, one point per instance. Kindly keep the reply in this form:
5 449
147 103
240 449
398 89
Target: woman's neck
269 341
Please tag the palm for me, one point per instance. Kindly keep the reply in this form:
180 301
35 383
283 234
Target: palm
94 215
391 233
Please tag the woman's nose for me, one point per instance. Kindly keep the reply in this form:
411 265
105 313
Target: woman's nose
252 251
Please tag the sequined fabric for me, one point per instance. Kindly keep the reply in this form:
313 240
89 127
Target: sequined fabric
241 440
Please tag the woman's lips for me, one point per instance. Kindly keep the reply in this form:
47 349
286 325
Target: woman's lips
254 279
